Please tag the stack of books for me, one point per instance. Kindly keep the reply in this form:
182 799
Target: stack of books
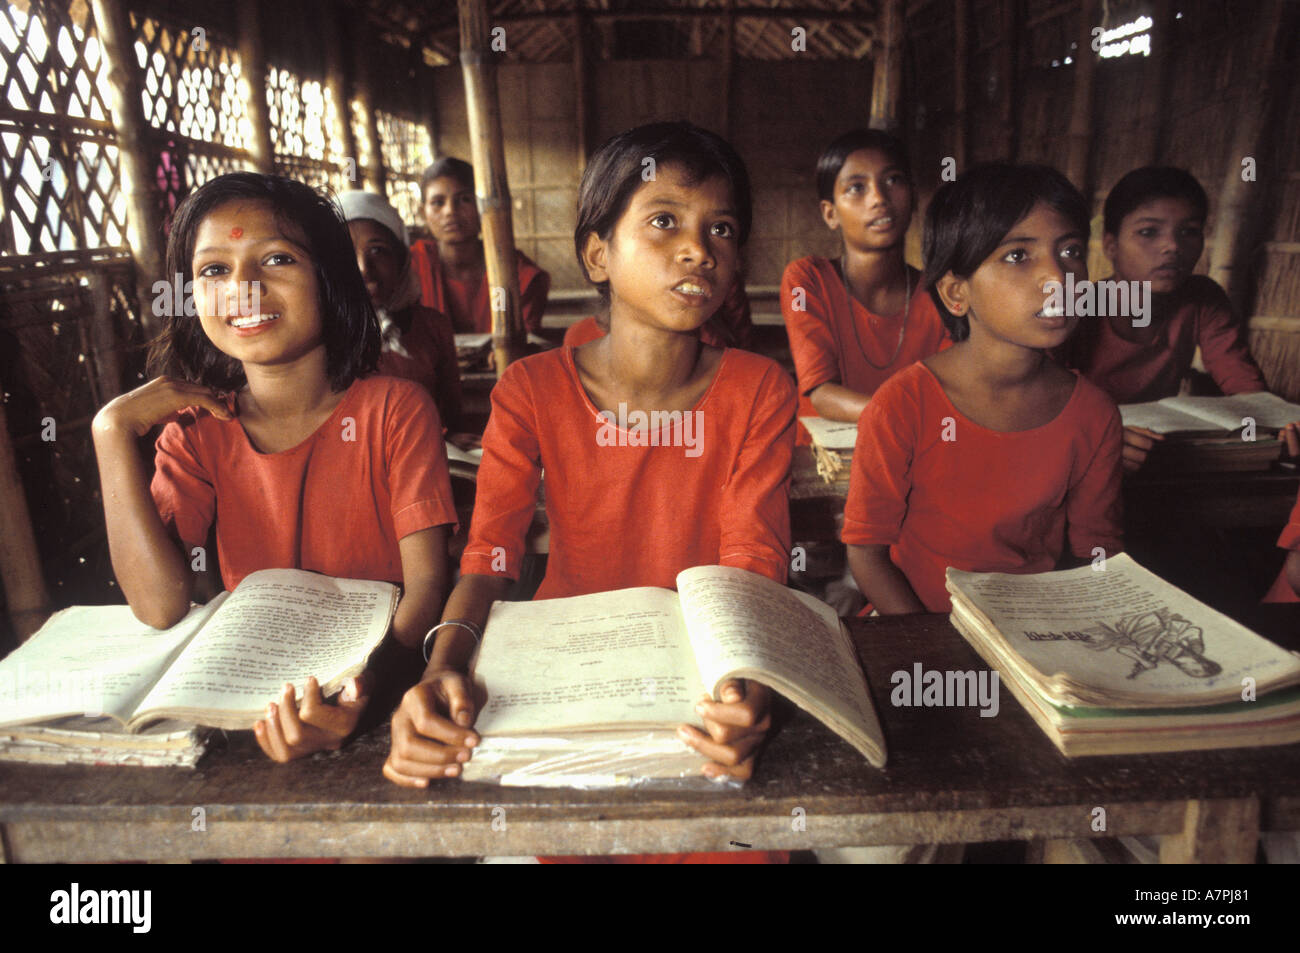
1115 660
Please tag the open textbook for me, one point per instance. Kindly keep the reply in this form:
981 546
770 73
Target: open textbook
1212 415
218 666
589 690
1120 661
1213 434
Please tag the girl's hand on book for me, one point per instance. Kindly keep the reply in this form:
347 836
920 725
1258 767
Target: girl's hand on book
1138 442
736 726
288 732
431 730
140 410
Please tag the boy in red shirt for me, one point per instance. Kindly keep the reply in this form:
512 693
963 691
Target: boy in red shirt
1154 231
451 268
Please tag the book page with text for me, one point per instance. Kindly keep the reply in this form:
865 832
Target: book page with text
612 658
90 660
741 621
1267 410
1160 417
280 625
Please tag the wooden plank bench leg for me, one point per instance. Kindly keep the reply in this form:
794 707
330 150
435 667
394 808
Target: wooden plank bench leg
1215 832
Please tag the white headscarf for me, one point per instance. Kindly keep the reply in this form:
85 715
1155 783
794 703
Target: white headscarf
358 205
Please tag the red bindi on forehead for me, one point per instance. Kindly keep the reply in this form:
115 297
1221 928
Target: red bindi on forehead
236 232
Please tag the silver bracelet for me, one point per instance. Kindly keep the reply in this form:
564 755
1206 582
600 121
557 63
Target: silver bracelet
466 624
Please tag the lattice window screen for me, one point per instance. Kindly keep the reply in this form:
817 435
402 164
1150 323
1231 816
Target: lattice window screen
407 151
192 85
193 96
58 163
303 116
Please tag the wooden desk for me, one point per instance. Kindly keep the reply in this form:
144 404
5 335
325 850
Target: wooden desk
952 776
1218 500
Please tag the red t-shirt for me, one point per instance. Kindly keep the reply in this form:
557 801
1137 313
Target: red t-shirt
1132 373
430 359
730 326
982 500
337 503
831 331
623 515
469 305
1289 540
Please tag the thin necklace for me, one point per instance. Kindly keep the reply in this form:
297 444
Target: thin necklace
902 329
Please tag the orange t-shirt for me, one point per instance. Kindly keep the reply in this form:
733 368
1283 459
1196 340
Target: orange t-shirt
337 503
835 339
730 326
624 515
714 492
981 500
1131 373
468 305
429 359
1289 540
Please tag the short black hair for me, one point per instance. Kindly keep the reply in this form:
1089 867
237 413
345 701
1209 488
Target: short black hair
348 324
615 172
447 167
968 219
837 153
1150 182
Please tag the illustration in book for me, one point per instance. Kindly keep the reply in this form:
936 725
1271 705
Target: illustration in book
1150 638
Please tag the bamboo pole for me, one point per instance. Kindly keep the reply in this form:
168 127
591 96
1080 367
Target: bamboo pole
252 61
26 597
337 83
103 338
1152 121
1079 134
960 71
582 90
1007 80
1236 193
728 68
887 80
143 221
490 182
375 174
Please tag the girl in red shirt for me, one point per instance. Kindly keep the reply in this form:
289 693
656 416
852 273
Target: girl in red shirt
987 456
856 320
277 436
663 211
